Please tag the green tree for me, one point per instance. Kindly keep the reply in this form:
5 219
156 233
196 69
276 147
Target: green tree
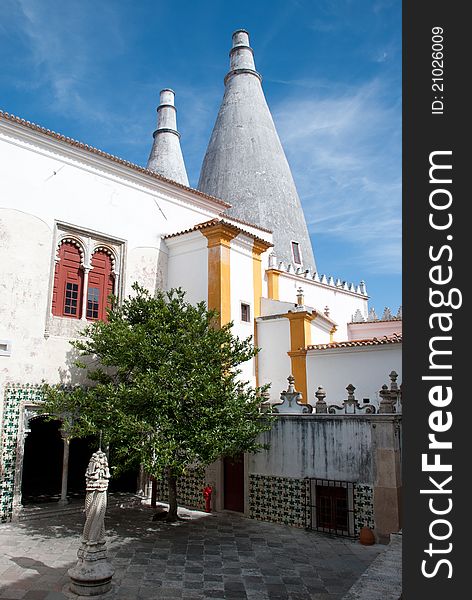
166 389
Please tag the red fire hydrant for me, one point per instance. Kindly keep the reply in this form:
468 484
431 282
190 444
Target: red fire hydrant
207 495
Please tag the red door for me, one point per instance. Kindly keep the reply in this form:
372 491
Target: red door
234 483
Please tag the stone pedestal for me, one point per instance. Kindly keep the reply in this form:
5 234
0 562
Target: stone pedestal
92 574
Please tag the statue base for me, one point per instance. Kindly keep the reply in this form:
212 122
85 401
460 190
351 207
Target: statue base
92 574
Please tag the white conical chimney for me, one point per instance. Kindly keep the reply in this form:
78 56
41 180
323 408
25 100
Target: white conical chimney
245 163
166 155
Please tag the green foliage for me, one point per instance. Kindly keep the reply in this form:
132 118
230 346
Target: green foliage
166 391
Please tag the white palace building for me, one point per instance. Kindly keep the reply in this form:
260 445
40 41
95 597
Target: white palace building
77 224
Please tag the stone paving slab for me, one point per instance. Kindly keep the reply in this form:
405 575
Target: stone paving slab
383 578
222 556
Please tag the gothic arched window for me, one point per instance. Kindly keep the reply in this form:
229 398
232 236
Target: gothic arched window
101 283
68 282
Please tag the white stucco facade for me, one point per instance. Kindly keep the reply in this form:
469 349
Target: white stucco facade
365 367
70 190
273 336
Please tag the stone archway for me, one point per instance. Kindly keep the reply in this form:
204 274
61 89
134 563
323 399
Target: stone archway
42 461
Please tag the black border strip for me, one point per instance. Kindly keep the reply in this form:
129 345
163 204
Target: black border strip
424 132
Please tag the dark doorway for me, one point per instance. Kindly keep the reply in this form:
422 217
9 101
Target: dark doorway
80 451
234 483
42 462
126 481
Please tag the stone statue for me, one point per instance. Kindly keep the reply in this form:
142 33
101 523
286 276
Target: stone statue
96 477
92 574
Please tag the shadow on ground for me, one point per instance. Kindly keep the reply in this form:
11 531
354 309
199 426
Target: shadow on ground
220 556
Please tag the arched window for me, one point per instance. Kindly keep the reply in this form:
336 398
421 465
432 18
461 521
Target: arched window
101 284
68 282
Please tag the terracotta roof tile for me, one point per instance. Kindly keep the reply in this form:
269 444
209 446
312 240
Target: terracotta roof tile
62 138
238 220
396 338
212 222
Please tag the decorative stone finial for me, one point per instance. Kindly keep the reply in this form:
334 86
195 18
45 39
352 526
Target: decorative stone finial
386 404
291 384
320 406
400 312
351 406
291 401
92 574
387 314
372 315
350 393
272 261
300 297
326 311
357 316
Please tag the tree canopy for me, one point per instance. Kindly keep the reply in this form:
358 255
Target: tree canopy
165 390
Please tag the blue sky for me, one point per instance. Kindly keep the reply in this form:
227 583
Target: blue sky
331 74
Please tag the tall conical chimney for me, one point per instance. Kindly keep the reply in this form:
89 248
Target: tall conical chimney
166 155
245 163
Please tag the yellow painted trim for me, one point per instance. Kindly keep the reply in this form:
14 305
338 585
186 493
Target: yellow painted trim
298 365
300 338
331 334
219 270
258 248
257 283
300 329
273 284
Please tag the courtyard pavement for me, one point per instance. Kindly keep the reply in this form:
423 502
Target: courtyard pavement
218 556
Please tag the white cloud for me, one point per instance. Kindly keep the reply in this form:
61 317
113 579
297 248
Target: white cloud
344 150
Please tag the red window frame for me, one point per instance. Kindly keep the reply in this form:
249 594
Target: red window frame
101 284
68 283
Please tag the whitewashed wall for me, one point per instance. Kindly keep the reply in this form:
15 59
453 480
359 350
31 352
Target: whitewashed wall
44 180
370 329
319 332
273 336
342 304
188 265
366 367
242 290
299 446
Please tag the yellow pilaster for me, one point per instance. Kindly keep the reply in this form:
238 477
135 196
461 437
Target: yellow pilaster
219 269
300 338
273 284
259 247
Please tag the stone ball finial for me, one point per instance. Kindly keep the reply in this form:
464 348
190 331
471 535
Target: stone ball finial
291 383
350 391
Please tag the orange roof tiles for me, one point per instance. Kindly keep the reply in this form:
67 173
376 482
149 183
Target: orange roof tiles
386 339
212 222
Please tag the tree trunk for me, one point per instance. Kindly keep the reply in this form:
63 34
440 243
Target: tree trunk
172 482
